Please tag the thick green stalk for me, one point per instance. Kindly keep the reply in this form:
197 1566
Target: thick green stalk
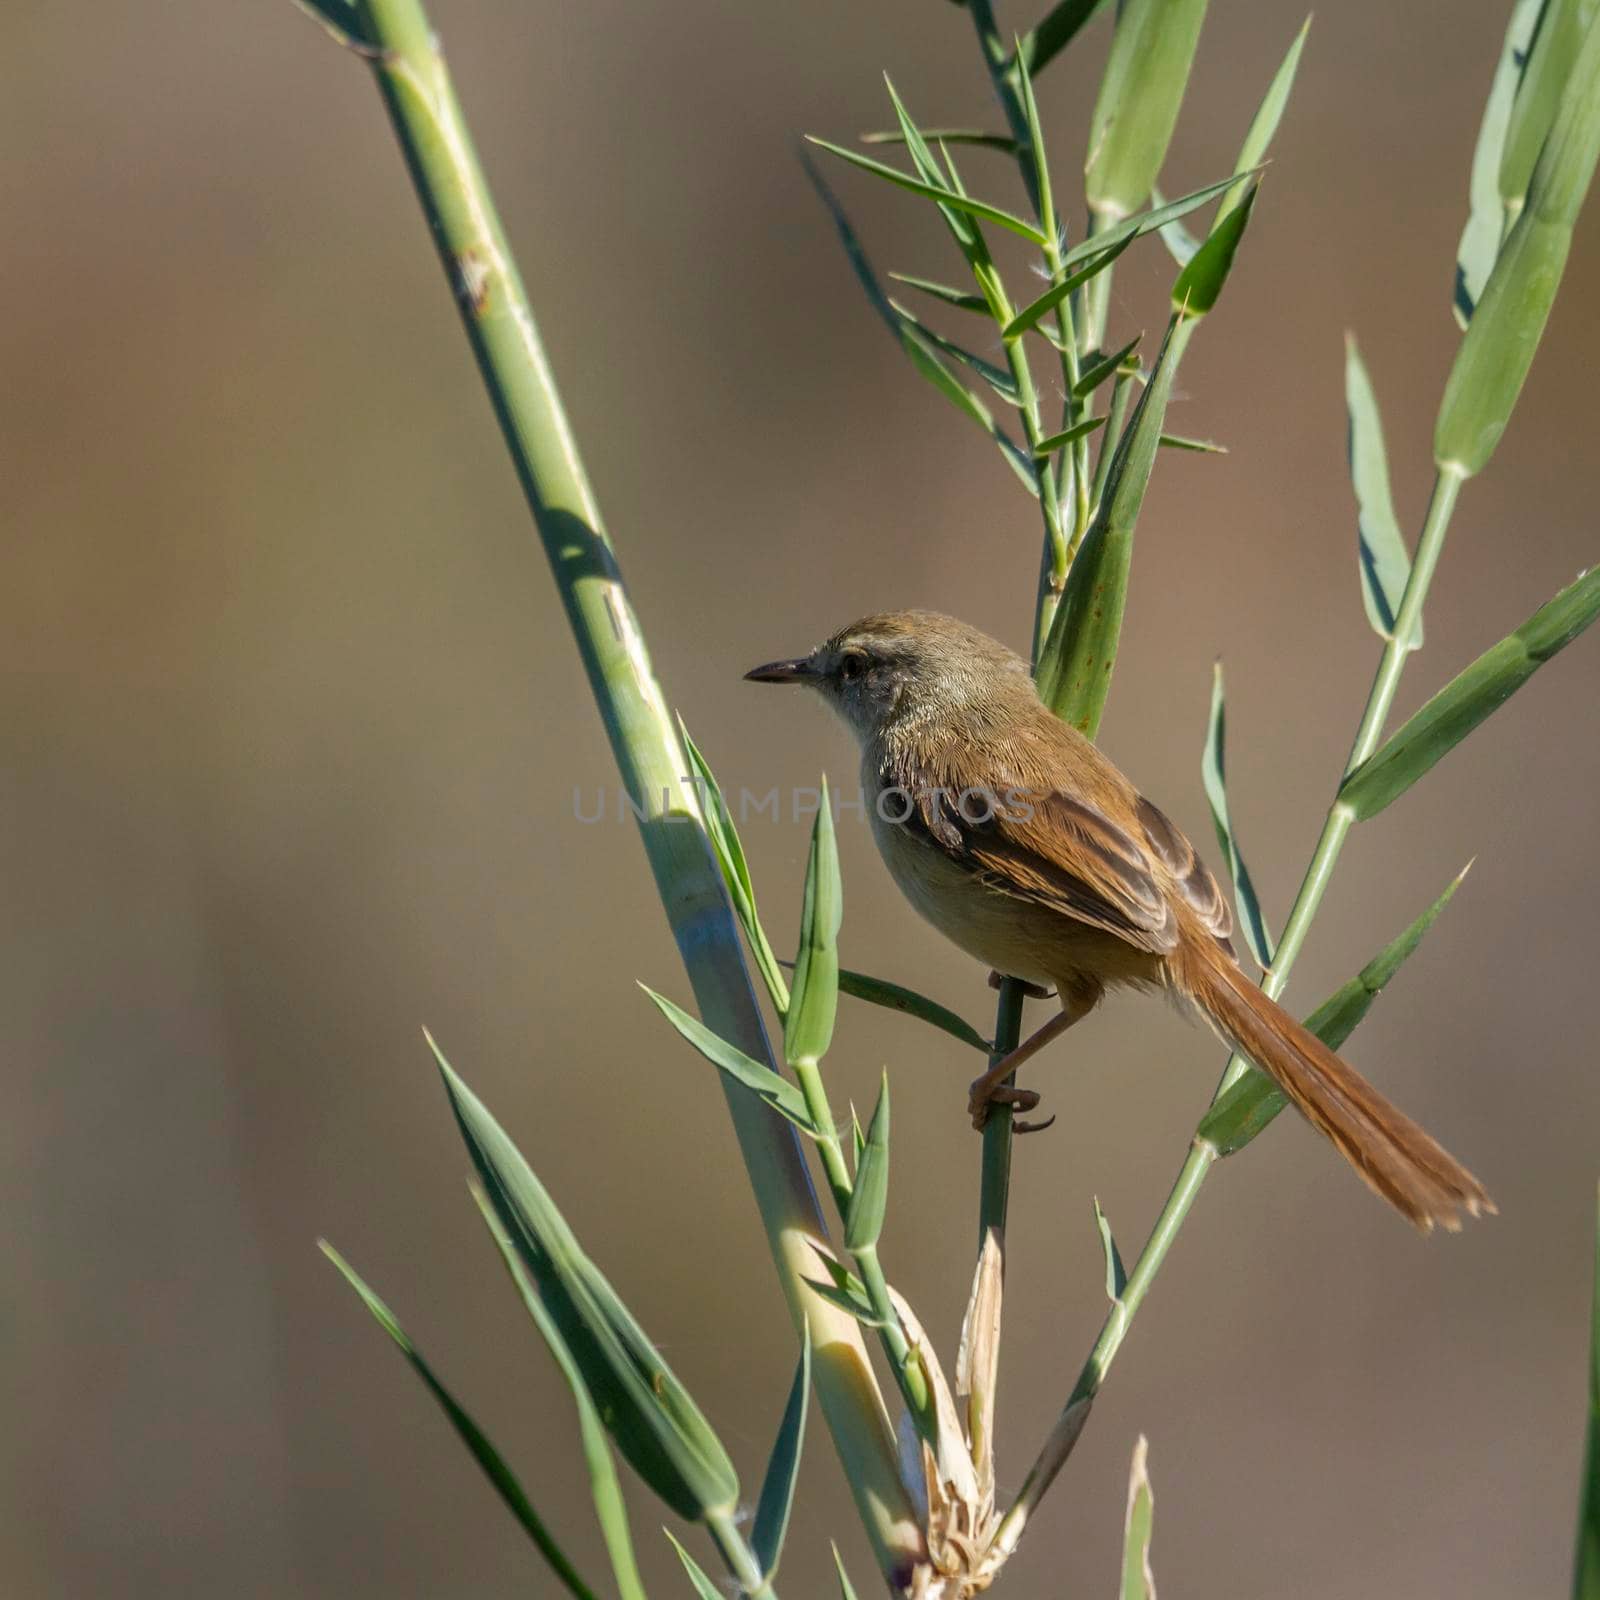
416 88
740 1559
994 1183
1202 1156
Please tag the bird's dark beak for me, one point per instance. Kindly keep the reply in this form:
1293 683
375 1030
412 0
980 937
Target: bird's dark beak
783 672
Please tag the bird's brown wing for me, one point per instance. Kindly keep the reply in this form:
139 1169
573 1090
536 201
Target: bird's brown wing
1061 852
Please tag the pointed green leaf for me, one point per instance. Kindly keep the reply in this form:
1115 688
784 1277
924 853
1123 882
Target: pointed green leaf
1498 347
1146 74
1470 697
808 1026
1586 1564
869 1198
1097 372
1264 125
1385 564
1038 163
1116 1273
471 1435
1147 221
729 851
895 997
703 1586
1059 441
605 1490
1030 314
1043 42
1074 669
858 1138
658 1428
961 299
1488 217
846 1592
965 232
1138 1581
1198 285
778 1092
1556 43
972 136
857 1307
1252 1103
953 202
1202 447
771 1525
998 378
1213 769
1181 244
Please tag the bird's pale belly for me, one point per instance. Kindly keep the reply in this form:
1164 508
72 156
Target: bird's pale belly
1010 935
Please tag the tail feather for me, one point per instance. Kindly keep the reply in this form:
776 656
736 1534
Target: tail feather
1395 1158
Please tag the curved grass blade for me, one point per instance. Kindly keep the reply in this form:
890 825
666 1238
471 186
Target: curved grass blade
1146 74
729 851
1255 1100
1059 441
471 1435
657 1426
961 299
998 378
869 1198
954 202
1048 37
1053 296
783 1096
1116 1273
1075 665
973 136
1213 772
1586 1563
895 997
1499 345
605 1490
1487 213
771 1523
1385 564
1138 1581
1470 697
703 1586
1555 46
1198 285
808 1026
1096 374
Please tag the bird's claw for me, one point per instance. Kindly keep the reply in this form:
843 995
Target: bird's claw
985 1095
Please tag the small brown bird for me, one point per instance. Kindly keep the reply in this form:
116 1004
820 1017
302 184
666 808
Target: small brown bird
1016 838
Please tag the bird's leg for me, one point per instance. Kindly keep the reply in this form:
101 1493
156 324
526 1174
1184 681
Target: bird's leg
1034 991
992 1087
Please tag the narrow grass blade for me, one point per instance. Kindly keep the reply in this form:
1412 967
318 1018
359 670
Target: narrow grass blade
471 1435
1200 447
1385 564
1264 125
808 1026
1138 1581
1487 212
869 1198
1059 441
1038 162
1498 347
1116 1273
1586 1564
846 1589
703 1586
1556 41
1030 314
658 1428
1470 697
1252 1103
1181 244
729 851
998 378
904 180
895 997
1147 221
963 228
1213 772
1075 665
771 1523
1043 42
605 1489
1097 373
973 136
1198 285
778 1092
1137 107
961 299
855 1305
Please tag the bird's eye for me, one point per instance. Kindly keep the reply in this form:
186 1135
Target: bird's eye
852 666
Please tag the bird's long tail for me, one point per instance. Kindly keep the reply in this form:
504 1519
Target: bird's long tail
1395 1158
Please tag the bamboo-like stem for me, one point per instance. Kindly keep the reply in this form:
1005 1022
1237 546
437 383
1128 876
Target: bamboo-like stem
740 1559
1201 1157
415 84
994 1183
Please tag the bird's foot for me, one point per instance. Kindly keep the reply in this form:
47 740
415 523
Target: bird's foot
984 1094
1034 991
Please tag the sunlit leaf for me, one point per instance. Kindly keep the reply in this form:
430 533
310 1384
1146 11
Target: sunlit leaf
1213 771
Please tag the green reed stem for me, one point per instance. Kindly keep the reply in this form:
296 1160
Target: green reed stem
415 85
740 1559
1201 1157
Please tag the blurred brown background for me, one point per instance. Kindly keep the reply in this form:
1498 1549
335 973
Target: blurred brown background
292 727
